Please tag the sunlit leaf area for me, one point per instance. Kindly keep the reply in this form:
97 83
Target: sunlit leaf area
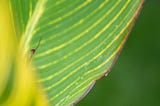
53 52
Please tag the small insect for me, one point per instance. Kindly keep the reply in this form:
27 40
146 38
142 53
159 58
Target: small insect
34 50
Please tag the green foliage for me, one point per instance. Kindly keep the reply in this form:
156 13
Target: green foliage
75 42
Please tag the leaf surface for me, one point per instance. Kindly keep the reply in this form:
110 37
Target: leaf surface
76 42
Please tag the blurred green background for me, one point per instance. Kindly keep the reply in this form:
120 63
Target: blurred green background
135 78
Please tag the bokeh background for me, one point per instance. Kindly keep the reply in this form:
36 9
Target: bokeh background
135 78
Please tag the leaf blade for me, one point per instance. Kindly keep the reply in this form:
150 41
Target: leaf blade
80 40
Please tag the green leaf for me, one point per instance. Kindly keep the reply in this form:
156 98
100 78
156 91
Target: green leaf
17 79
76 42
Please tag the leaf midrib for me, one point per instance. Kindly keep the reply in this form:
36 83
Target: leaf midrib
31 25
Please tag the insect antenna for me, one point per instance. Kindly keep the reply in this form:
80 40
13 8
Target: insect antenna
34 49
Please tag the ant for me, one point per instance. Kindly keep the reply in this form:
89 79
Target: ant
34 50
